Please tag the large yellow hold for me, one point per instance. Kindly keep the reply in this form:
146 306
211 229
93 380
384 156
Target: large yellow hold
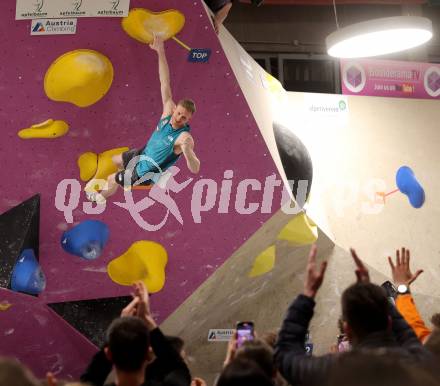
98 166
264 262
301 230
105 162
144 261
142 23
46 129
81 77
87 164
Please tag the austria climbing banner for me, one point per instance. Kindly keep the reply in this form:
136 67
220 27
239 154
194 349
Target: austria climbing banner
390 78
48 9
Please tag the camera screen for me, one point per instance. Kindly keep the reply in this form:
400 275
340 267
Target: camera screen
244 333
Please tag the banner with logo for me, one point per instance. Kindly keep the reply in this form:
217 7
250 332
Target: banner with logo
220 334
53 27
390 78
50 9
326 105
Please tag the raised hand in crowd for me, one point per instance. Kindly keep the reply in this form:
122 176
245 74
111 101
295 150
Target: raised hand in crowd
140 305
314 277
198 382
231 350
51 380
143 308
362 274
131 308
400 270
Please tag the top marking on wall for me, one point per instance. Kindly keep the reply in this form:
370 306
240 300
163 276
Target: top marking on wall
196 55
199 55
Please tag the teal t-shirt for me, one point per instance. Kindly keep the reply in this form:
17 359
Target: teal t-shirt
160 148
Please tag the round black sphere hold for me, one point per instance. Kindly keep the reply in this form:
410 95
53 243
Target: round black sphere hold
295 158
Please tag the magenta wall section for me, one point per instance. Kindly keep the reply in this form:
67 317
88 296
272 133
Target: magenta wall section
224 130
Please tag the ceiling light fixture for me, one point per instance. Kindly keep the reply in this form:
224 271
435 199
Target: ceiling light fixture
378 36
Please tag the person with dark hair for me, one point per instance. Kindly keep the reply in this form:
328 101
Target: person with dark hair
369 320
162 372
269 337
259 352
243 372
365 311
124 349
433 343
177 344
128 340
435 320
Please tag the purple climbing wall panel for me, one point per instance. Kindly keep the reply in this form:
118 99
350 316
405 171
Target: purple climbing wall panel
40 338
226 138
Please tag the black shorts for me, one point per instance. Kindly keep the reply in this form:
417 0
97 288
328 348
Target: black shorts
126 158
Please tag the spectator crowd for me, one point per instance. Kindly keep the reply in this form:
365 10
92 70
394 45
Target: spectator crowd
383 341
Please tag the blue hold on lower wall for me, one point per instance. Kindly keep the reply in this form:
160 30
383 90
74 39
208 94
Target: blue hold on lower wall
86 240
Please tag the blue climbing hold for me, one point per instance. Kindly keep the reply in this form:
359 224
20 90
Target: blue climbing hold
27 275
86 240
407 183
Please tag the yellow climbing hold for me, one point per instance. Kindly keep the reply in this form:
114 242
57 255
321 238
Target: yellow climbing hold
274 85
46 129
144 261
97 166
87 164
141 24
81 77
301 230
264 262
5 305
105 163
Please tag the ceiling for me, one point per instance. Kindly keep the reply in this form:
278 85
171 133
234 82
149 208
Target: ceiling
300 26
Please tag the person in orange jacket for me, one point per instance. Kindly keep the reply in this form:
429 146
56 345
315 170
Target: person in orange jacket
402 278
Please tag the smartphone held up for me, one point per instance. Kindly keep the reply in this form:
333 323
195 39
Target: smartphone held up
245 332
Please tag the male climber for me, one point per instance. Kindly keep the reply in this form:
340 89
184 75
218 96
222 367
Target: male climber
169 141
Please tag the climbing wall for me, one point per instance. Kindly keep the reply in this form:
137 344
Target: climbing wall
226 138
230 256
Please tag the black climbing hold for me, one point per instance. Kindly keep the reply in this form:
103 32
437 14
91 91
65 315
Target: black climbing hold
19 230
294 156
